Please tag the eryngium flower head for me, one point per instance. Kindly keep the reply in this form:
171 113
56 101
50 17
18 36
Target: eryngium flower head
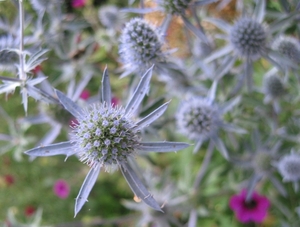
248 37
288 47
273 86
105 136
8 57
289 167
175 6
198 118
109 16
140 45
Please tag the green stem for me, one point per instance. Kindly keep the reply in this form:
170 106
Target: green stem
22 74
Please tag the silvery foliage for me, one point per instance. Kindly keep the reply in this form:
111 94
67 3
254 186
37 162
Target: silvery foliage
167 194
53 113
260 159
106 137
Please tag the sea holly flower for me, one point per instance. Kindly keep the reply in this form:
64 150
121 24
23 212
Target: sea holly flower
252 210
200 119
106 137
140 46
273 88
178 8
288 49
247 39
289 167
61 188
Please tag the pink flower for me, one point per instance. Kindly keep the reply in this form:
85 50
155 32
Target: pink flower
85 94
115 101
78 3
9 180
61 189
253 210
29 211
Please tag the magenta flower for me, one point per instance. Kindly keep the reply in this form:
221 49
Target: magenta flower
115 101
78 3
85 94
61 189
253 210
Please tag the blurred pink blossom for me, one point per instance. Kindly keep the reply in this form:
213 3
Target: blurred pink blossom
85 94
61 189
29 211
78 3
253 210
115 101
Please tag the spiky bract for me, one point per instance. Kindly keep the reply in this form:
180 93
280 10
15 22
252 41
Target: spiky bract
198 118
104 136
248 38
140 45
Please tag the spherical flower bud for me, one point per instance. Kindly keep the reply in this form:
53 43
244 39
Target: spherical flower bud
248 38
273 86
175 6
289 167
289 47
140 45
198 119
102 141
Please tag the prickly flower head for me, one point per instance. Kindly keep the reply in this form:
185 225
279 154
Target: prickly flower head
248 38
104 136
140 44
273 86
175 6
289 47
289 167
198 118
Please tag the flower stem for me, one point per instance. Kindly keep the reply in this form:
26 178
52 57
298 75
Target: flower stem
22 75
204 166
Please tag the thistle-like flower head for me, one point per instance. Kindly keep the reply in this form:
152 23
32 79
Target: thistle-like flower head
289 167
110 16
140 45
175 6
288 47
273 86
248 38
199 118
105 136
